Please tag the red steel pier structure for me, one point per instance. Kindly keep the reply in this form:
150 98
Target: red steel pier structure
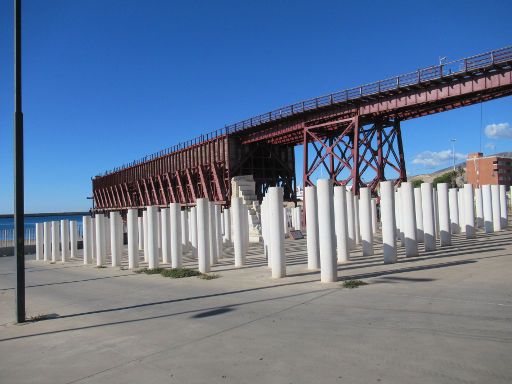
353 134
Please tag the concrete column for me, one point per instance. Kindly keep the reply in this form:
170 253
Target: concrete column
145 234
73 238
39 241
461 205
285 221
436 212
152 220
357 224
132 222
487 205
203 235
351 230
278 257
93 231
374 215
398 215
479 208
193 231
341 223
387 218
218 230
264 229
365 220
444 214
469 212
245 212
47 240
298 218
184 230
400 203
326 226
101 246
55 241
159 231
115 246
503 207
213 234
236 210
312 227
409 220
166 235
176 237
64 237
227 225
454 210
427 208
88 244
140 230
419 214
496 210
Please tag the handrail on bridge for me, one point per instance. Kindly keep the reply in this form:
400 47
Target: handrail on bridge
423 75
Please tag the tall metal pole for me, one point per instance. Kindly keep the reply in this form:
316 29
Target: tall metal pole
19 222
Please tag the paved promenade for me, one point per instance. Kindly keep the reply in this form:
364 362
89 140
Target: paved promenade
442 317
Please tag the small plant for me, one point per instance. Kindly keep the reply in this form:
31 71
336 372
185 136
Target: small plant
41 317
148 271
209 276
101 266
353 283
179 273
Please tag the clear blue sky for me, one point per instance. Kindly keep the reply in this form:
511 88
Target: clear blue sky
108 81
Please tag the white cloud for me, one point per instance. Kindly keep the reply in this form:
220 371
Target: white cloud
499 131
490 146
431 159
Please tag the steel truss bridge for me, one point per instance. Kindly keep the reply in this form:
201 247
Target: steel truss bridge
354 135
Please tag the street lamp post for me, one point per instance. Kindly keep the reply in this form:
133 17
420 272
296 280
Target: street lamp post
19 220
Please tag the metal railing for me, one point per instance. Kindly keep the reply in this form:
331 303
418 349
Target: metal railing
424 75
7 235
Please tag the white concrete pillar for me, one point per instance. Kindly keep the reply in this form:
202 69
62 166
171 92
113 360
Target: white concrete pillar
341 223
47 240
203 235
398 216
93 231
503 206
365 220
213 235
176 237
409 220
496 210
64 237
159 231
326 226
357 224
400 203
106 225
419 214
236 210
227 226
278 256
387 218
436 212
461 205
145 234
55 240
427 208
374 215
265 233
166 235
479 208
184 230
115 243
132 222
469 212
73 238
285 221
245 212
193 231
298 218
101 246
88 244
487 205
140 232
444 214
454 210
218 230
39 241
312 227
351 230
152 219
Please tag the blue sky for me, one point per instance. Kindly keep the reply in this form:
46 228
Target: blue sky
109 81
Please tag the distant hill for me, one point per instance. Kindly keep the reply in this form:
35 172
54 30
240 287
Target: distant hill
429 177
